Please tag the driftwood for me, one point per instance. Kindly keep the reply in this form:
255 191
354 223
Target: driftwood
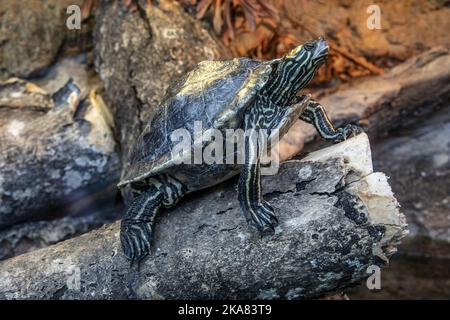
337 217
413 89
51 155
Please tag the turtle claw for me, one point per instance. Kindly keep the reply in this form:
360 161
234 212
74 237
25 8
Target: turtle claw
262 217
346 132
135 237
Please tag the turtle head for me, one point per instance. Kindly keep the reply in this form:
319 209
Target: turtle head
296 69
301 63
312 54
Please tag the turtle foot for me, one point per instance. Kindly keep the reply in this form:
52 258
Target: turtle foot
346 132
135 236
262 217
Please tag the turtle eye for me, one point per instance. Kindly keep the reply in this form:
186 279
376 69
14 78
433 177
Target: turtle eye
308 46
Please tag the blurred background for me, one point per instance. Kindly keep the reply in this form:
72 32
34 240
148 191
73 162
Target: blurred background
388 69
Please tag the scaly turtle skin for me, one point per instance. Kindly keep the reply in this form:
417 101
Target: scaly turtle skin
236 94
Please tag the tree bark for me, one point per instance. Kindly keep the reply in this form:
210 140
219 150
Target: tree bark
52 154
337 217
399 98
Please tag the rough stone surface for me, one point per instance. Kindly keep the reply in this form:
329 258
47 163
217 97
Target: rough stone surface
139 54
51 157
331 229
33 33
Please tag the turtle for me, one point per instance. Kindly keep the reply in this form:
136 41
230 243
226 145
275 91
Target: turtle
240 93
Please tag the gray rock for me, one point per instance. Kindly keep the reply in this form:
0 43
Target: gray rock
33 34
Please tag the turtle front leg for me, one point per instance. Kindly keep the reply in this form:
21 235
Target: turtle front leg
315 114
257 211
137 225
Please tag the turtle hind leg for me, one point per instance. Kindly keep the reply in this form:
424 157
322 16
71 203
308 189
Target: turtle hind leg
136 226
136 230
315 114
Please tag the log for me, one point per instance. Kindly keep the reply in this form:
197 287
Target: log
83 216
337 217
51 155
399 98
139 53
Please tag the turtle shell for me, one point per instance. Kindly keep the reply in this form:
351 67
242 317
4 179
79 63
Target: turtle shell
216 93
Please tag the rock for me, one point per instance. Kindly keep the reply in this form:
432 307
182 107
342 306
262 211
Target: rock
33 33
138 55
337 217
